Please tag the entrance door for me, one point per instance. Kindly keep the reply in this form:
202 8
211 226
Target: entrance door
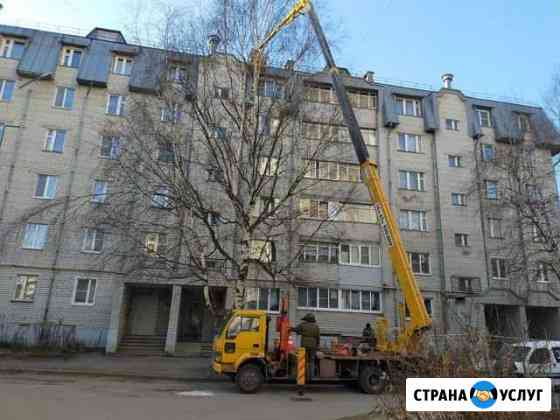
192 314
143 314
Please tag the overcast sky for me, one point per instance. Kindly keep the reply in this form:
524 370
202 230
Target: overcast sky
501 47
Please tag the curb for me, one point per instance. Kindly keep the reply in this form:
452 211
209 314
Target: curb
90 373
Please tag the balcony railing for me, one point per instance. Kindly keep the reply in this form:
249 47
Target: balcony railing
466 285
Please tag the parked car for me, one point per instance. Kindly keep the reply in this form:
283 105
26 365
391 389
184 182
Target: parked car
538 358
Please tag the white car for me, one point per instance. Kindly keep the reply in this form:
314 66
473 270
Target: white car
539 358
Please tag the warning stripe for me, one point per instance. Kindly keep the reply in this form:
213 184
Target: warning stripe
301 367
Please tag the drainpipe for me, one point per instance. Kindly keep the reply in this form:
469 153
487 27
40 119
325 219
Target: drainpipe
66 205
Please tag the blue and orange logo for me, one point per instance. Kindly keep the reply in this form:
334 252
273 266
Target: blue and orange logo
483 394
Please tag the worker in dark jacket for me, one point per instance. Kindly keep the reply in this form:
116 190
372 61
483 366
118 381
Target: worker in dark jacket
310 337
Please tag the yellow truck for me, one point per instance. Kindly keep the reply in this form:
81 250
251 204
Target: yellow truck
241 348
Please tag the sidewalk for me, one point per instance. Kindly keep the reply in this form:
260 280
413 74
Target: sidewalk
97 364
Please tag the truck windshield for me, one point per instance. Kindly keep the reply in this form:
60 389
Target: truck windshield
519 353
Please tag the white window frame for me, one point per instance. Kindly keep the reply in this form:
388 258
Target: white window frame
462 240
121 105
22 281
414 138
542 272
484 148
370 136
50 179
424 256
339 292
115 150
501 276
100 198
462 199
371 254
346 172
64 97
88 293
261 250
455 161
420 181
51 138
523 122
452 124
495 228
416 106
409 214
89 237
162 193
3 84
482 121
8 47
271 88
487 183
122 65
41 241
269 290
67 57
333 252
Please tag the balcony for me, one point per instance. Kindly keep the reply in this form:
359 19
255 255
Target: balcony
465 285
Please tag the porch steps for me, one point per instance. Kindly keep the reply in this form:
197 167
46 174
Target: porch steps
142 345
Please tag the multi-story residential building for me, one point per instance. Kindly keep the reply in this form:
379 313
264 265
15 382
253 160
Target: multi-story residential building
57 92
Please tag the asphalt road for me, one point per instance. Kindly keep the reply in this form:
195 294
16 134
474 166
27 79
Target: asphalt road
61 397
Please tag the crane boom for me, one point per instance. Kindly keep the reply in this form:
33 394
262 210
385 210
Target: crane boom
419 318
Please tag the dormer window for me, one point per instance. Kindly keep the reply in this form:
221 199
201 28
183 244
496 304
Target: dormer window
484 118
122 65
71 57
409 106
523 122
13 48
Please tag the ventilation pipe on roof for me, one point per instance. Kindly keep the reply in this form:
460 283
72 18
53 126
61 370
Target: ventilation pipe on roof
447 80
369 77
213 42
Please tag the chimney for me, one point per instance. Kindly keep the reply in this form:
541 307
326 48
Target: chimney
447 80
369 77
213 42
290 64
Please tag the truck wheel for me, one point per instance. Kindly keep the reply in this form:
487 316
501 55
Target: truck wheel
372 380
249 379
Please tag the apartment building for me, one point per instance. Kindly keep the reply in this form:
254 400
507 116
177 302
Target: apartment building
59 91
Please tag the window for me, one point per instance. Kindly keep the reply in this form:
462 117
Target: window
467 284
346 300
262 251
498 268
542 272
154 244
427 304
334 171
71 57
110 147
13 48
495 228
84 291
540 356
410 180
451 124
458 199
166 152
271 88
362 99
488 152
55 141
25 288
268 205
408 106
64 97
215 219
268 166
7 90
116 105
221 92
262 298
2 128
359 254
410 143
46 186
319 252
161 198
100 189
321 94
413 220
219 133
215 174
369 136
462 240
420 262
483 116
491 190
122 65
176 74
92 240
316 209
171 113
35 236
523 122
351 212
455 161
240 324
